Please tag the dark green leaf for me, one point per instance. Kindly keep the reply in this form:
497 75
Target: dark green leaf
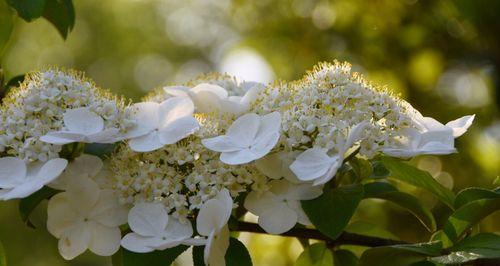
315 255
480 246
28 204
117 258
237 254
99 149
61 14
368 229
361 167
198 259
343 257
155 258
400 255
15 81
380 190
412 175
379 170
468 215
330 213
28 9
471 194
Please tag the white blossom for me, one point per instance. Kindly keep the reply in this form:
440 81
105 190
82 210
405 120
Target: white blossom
19 180
211 222
85 216
249 138
160 124
84 126
154 229
279 208
316 165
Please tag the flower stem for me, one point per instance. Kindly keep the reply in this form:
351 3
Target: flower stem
344 239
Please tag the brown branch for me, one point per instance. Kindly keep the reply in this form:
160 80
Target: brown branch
344 239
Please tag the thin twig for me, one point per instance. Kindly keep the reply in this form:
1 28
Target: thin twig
343 239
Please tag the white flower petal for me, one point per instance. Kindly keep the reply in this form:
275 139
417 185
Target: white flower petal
178 129
51 170
221 144
311 164
257 203
104 241
62 137
177 90
136 243
355 134
108 211
244 129
178 230
85 165
146 117
215 250
110 135
83 194
12 172
60 215
213 215
270 124
173 109
148 219
238 157
75 240
301 215
461 125
278 219
264 144
83 121
215 89
146 143
206 102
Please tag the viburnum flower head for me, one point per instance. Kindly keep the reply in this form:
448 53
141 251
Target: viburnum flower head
19 180
154 229
249 138
316 165
430 137
279 208
209 97
84 216
82 125
211 222
160 124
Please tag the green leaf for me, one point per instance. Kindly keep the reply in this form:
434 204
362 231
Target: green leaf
28 204
361 167
315 255
155 258
330 213
15 81
379 170
28 9
61 14
414 176
6 25
237 254
368 229
480 246
3 256
99 149
468 215
343 257
117 258
198 259
385 191
471 194
400 255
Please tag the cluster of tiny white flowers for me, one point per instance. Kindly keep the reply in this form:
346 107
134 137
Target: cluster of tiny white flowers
185 175
319 110
37 106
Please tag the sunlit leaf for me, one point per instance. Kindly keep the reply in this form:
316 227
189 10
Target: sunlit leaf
3 256
368 229
380 190
315 255
155 258
470 194
400 255
480 246
414 176
28 204
330 213
6 25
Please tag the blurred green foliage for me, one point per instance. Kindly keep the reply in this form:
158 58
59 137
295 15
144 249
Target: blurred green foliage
443 56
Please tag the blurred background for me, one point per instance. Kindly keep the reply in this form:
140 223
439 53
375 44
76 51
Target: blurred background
442 56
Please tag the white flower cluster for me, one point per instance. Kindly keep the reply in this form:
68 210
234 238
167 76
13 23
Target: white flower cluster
39 104
187 152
